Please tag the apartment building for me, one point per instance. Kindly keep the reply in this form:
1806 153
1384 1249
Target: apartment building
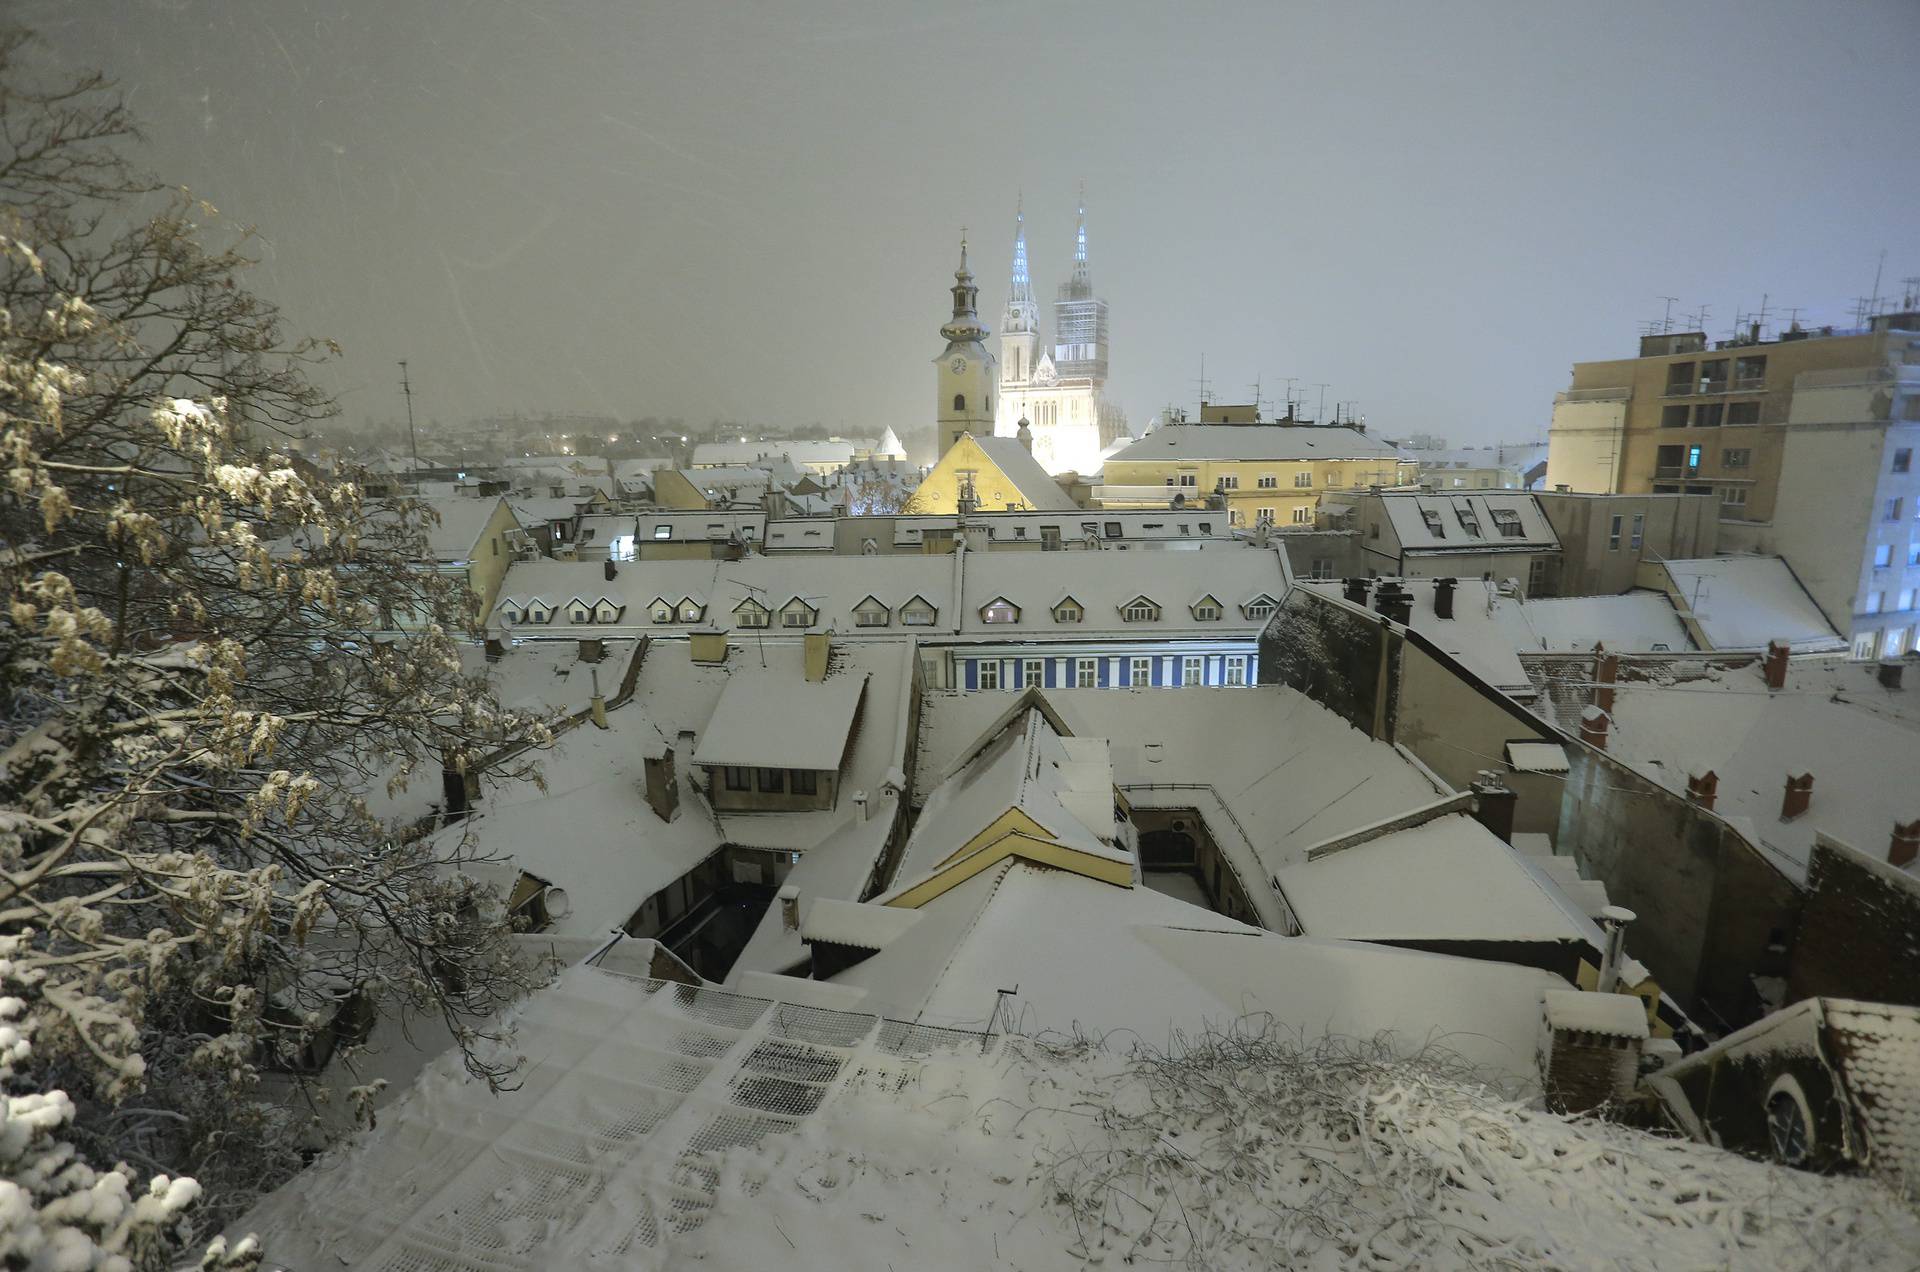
1806 442
1271 473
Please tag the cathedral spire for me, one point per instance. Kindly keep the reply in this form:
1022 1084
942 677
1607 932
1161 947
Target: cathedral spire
1080 240
1021 291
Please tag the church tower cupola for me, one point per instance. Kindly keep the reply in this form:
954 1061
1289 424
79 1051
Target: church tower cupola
966 375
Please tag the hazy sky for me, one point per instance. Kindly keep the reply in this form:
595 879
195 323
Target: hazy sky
752 211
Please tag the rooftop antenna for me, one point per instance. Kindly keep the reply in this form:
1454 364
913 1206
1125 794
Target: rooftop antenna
1204 388
1666 319
1910 293
413 443
1320 415
1291 381
1793 318
1700 318
1877 270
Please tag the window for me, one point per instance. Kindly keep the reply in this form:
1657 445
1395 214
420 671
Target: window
1468 521
1050 538
494 543
1709 415
1086 673
1913 554
1267 481
661 612
1322 569
662 531
1113 530
1229 483
798 614
1639 529
1679 379
1613 534
1740 457
1910 408
1733 498
803 781
751 615
1674 416
1068 611
1189 479
959 401
1693 460
1236 669
918 613
871 613
771 781
1140 672
1874 601
1185 529
1206 610
1749 372
1713 376
1303 515
1206 527
1303 480
578 613
1896 642
989 673
1019 532
735 777
1507 522
1265 515
1140 610
1333 478
1262 606
1883 556
1033 673
1906 600
1435 526
1863 645
1894 505
999 610
1741 413
1903 459
691 611
1193 670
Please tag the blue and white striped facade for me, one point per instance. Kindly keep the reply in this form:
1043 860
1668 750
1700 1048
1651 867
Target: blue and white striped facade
1143 664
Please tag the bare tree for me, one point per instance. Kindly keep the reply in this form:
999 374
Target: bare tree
206 695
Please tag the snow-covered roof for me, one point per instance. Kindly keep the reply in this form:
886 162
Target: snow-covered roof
1578 1011
1745 602
862 925
1254 442
1468 522
1634 621
1537 757
461 520
1447 879
833 451
1032 484
773 720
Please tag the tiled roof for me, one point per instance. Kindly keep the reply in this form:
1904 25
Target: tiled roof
1879 1048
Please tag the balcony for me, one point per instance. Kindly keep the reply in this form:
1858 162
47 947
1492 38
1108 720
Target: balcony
1750 384
1675 470
1712 386
1680 390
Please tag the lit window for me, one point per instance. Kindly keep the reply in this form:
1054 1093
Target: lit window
662 612
1192 670
1236 669
989 673
1000 610
691 611
1140 672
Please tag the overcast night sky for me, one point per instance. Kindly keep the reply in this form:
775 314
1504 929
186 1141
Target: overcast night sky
751 211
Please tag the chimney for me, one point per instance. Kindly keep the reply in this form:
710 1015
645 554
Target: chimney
817 647
1493 804
1798 796
1906 843
1606 670
1443 597
496 650
1889 673
790 908
860 804
1703 788
1394 603
609 569
1614 920
1355 590
597 705
1775 668
1593 727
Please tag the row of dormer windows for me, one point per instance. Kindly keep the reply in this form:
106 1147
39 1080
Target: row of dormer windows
871 612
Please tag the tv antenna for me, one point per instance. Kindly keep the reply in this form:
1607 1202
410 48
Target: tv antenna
1320 415
1666 319
1205 388
413 443
1700 318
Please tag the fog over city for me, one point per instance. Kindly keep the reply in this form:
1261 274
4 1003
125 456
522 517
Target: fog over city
751 211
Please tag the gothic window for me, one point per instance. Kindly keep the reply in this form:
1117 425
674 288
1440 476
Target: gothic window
959 401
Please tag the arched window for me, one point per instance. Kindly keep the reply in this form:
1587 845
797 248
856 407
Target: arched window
959 401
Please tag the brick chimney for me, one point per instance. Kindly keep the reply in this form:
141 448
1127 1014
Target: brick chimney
1394 603
1799 795
1906 843
1355 590
1493 804
1443 597
1606 670
1775 668
1703 788
1593 727
1889 673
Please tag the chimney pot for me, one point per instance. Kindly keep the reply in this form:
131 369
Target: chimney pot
1703 789
610 569
1594 722
1775 668
1889 673
790 907
1494 803
1606 670
1798 797
1443 597
1906 843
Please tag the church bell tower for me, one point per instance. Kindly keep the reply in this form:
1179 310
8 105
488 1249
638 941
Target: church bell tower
965 372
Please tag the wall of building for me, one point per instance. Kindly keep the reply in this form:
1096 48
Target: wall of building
1674 527
491 557
755 800
1247 501
1585 443
1338 551
1859 931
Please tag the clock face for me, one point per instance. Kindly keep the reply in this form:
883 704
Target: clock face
958 365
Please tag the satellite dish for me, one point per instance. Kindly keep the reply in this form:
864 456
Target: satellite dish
558 904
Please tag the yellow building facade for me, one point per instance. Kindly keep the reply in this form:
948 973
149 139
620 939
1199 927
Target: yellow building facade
1266 472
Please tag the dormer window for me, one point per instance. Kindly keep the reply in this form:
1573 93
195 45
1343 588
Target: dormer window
797 613
661 611
1069 611
579 612
1434 525
1140 610
1507 522
751 613
1468 521
918 612
607 611
537 612
871 613
1000 610
1261 606
691 611
1206 610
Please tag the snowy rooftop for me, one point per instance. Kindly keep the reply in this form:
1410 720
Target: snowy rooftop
462 518
658 1126
1255 442
549 676
835 451
1032 482
1745 602
780 720
1447 879
1469 522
